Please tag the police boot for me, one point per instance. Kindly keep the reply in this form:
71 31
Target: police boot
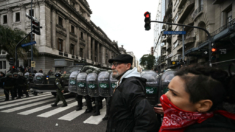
97 111
64 105
88 103
53 105
78 108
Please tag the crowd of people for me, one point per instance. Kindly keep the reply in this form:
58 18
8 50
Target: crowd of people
194 101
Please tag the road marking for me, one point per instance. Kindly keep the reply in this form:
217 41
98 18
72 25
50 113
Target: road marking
26 106
39 109
97 119
58 110
72 115
24 102
18 100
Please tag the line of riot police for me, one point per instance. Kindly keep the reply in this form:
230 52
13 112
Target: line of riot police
15 85
93 85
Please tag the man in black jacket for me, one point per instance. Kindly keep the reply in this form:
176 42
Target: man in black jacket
130 111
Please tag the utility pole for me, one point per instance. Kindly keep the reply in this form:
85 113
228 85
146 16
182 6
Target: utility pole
31 13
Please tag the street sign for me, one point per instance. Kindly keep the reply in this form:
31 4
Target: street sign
223 51
33 63
27 44
174 32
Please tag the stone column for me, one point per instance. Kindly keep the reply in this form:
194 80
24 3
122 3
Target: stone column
103 55
98 52
9 17
67 42
77 49
93 50
53 29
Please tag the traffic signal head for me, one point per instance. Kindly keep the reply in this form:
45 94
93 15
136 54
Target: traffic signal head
147 21
36 27
213 49
13 67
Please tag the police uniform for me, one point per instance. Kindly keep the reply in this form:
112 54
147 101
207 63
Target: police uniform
22 85
16 85
59 95
8 85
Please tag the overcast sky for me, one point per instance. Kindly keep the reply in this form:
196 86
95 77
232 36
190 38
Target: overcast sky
123 21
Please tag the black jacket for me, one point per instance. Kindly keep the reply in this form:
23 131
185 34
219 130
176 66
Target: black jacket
218 123
130 111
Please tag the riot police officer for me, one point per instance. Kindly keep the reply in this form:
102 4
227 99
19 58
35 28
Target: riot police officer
16 85
60 90
8 85
22 85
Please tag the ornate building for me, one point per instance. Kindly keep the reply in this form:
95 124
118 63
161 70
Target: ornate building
216 16
67 31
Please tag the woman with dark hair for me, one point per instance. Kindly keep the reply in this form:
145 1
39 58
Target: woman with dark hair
194 102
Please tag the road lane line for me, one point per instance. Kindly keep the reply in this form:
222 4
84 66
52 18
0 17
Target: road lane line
39 108
18 100
97 119
72 115
58 110
24 102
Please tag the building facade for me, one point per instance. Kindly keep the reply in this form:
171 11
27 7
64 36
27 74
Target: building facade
67 31
217 17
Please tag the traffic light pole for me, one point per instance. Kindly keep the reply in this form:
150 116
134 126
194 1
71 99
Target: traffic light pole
193 27
16 57
31 36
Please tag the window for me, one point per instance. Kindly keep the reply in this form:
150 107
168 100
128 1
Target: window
229 16
4 65
60 44
5 19
200 5
72 29
72 49
81 52
81 35
0 64
32 13
60 21
17 17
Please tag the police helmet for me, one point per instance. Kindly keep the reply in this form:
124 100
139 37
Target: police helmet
20 73
9 74
58 74
89 71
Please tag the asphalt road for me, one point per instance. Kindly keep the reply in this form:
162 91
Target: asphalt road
34 114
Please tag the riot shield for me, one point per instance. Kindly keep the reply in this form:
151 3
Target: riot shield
113 83
38 78
92 87
152 86
81 84
166 77
72 82
103 84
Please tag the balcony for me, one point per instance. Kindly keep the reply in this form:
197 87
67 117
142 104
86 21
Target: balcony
197 12
168 47
185 10
217 2
164 39
167 18
169 9
182 3
168 39
164 46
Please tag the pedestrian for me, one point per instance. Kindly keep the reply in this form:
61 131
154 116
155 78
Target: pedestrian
130 110
50 72
60 90
8 86
22 88
194 102
17 89
40 71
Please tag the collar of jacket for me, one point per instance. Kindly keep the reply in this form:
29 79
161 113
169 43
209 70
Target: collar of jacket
130 73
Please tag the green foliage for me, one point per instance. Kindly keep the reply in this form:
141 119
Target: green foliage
147 61
9 39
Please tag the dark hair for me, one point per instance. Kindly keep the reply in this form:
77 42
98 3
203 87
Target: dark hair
208 83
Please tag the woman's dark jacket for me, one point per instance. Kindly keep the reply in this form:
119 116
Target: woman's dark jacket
218 123
130 110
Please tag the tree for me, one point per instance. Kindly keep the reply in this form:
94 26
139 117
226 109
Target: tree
9 39
147 61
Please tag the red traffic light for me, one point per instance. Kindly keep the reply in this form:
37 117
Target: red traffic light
146 14
13 67
213 49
